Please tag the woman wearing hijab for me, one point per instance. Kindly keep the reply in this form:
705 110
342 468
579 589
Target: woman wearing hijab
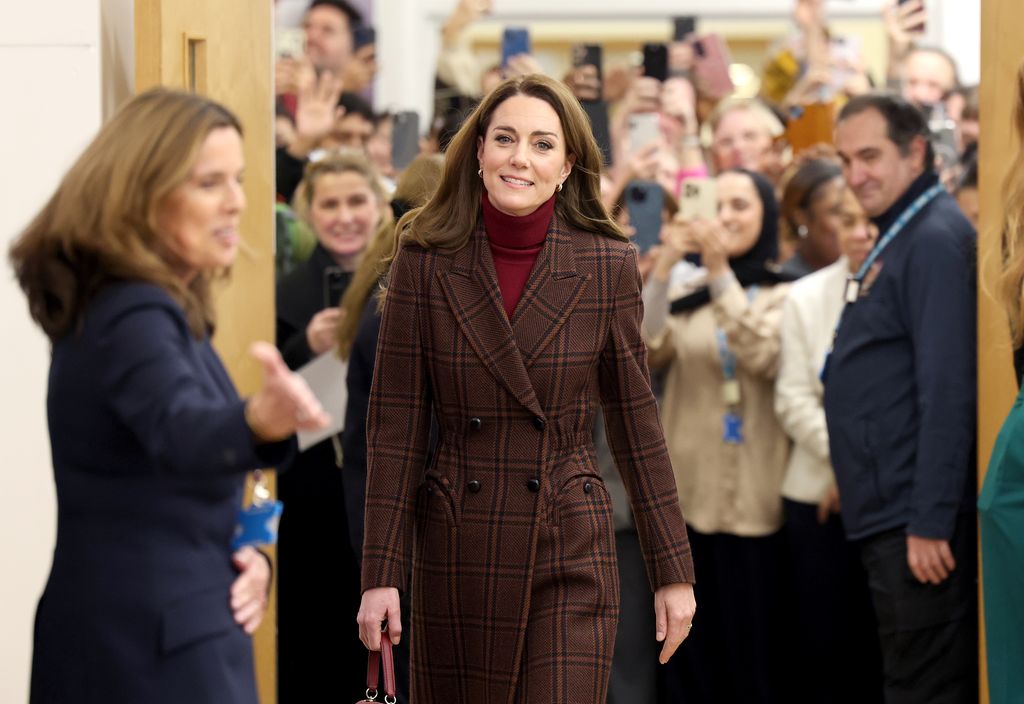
720 346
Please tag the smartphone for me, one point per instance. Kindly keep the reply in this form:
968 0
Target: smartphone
920 27
290 43
405 138
643 129
699 199
362 35
810 125
682 27
656 61
587 55
597 112
645 200
845 53
335 282
515 40
711 66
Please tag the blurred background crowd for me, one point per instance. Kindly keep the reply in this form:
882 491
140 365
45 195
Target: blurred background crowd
695 143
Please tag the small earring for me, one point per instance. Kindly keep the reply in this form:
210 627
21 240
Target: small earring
480 173
558 188
801 232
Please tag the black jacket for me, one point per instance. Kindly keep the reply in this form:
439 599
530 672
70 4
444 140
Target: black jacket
301 295
900 391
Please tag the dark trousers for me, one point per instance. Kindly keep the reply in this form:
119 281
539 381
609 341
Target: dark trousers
734 652
929 634
836 657
320 657
634 678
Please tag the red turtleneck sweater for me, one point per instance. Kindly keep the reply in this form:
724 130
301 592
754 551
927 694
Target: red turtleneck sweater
515 243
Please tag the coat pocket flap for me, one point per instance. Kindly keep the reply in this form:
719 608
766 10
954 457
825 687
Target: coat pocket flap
196 617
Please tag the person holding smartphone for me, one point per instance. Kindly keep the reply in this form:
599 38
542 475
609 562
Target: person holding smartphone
715 332
344 204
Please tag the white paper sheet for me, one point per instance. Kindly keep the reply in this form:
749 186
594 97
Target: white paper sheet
326 377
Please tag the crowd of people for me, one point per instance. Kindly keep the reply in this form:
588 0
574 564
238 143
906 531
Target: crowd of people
741 309
640 370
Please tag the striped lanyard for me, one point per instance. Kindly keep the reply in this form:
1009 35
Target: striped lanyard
854 281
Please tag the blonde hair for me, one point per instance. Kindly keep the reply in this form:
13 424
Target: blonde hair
1010 287
100 225
335 162
415 186
769 120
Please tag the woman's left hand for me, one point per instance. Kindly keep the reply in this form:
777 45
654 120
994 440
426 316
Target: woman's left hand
249 590
674 607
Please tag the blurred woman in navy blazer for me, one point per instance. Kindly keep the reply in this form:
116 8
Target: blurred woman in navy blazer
146 601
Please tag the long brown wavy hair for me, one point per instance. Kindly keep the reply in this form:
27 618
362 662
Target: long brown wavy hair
448 219
415 186
1010 287
100 224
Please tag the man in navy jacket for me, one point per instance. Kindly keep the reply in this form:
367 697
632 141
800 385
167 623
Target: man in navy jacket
900 400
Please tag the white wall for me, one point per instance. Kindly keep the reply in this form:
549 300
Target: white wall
50 70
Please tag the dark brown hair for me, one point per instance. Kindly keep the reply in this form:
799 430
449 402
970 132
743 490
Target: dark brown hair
449 218
100 224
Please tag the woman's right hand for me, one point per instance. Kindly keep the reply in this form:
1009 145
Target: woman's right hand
322 331
285 403
378 605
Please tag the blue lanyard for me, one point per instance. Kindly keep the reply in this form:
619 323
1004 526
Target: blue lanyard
726 356
853 282
897 227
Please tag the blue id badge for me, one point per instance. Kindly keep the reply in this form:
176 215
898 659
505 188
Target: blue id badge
732 431
257 523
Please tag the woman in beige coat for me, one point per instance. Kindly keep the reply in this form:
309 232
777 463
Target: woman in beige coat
720 346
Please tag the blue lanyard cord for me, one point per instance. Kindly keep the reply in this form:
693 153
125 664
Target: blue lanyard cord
726 356
890 234
897 227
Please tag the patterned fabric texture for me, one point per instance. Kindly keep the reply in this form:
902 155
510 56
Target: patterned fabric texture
507 533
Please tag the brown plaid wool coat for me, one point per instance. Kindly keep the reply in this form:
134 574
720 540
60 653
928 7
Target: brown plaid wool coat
507 533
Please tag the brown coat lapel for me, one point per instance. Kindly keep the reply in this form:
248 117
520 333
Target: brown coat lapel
507 348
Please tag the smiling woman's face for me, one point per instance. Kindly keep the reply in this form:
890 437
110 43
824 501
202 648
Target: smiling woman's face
522 155
740 212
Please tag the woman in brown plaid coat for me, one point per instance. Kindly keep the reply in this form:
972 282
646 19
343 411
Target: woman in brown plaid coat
507 531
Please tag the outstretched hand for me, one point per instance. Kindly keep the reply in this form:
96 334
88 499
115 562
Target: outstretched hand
285 404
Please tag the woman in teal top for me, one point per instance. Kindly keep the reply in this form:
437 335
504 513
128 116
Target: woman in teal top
1001 504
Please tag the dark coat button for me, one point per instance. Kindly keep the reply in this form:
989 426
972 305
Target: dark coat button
473 486
539 423
533 484
587 487
475 423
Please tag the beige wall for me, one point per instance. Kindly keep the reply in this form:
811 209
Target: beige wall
50 70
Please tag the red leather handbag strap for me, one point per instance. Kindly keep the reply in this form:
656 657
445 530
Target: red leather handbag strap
387 656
